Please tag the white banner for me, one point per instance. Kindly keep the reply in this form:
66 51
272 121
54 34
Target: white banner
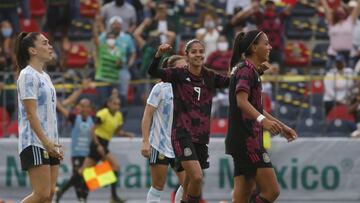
308 169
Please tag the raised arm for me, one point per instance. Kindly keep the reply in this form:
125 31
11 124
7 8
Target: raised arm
153 68
327 11
355 13
75 95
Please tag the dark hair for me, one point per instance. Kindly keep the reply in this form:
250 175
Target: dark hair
171 61
242 43
191 42
22 44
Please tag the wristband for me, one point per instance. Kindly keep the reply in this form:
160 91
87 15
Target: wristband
260 118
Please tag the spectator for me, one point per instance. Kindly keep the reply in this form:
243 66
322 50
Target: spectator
338 84
8 11
123 9
108 61
151 33
271 22
208 33
341 23
219 60
6 43
126 45
58 18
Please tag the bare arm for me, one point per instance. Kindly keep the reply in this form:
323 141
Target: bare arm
75 95
355 13
248 109
145 129
140 41
62 110
328 11
132 59
288 132
52 148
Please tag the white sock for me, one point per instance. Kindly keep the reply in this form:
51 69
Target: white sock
153 195
178 194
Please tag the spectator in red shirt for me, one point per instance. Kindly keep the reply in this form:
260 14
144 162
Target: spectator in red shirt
271 22
219 60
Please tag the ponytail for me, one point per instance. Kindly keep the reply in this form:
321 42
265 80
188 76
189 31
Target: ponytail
22 44
242 44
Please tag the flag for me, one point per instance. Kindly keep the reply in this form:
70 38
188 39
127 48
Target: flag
99 176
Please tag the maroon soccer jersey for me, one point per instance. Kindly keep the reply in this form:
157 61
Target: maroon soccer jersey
244 133
192 100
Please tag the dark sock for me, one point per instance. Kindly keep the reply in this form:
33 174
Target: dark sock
182 201
260 199
113 186
192 199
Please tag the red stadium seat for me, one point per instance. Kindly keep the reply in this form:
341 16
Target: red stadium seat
218 126
77 56
340 112
12 129
37 8
89 8
30 27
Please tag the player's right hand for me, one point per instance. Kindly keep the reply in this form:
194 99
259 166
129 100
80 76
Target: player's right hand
273 127
53 149
145 149
163 48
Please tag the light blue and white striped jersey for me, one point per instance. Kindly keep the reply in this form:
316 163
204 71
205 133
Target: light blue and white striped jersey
34 85
161 97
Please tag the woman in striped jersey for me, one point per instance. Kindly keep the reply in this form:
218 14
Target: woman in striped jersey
39 148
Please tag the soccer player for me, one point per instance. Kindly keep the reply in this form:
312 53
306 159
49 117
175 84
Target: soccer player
193 89
156 130
252 164
39 148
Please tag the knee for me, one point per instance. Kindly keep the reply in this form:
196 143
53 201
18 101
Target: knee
197 179
273 194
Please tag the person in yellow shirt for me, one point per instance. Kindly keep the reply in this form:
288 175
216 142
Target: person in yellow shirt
108 122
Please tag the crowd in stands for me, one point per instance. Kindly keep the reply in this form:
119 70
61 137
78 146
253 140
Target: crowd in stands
112 42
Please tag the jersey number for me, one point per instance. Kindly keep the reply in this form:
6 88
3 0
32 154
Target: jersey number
198 91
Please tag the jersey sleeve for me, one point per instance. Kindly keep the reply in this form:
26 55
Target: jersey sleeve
155 96
100 116
28 86
244 77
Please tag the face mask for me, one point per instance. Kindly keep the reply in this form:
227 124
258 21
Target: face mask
209 24
223 46
110 42
6 32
